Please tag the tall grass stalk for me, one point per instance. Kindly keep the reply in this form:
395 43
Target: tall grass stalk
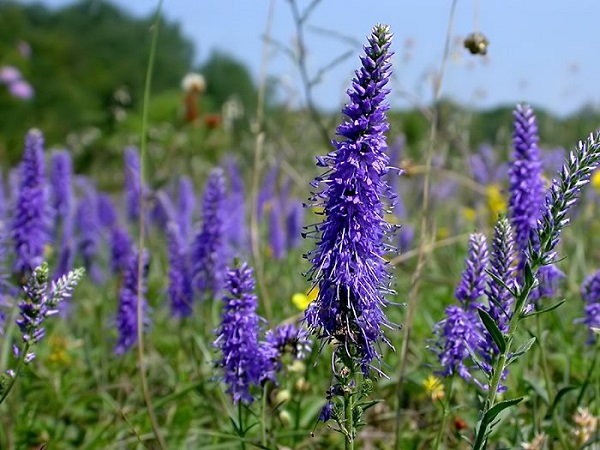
258 150
424 225
141 226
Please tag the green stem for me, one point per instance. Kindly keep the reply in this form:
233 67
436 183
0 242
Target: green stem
445 410
549 387
140 265
263 418
349 425
13 379
241 426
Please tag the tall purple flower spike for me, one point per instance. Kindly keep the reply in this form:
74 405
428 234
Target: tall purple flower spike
348 263
30 222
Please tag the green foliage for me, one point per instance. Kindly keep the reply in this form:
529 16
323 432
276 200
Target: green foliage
88 59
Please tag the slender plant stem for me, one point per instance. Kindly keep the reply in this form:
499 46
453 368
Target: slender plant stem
424 225
141 223
549 386
13 379
263 418
258 149
241 425
349 425
446 408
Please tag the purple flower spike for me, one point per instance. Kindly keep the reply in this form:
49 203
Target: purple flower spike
293 224
133 185
504 271
288 339
208 251
348 263
29 227
127 320
474 277
276 236
185 207
525 174
458 333
244 361
121 249
89 232
107 214
180 285
61 174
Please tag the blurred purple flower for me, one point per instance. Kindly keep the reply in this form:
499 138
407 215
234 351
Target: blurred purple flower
107 214
88 227
288 339
61 174
9 74
21 89
237 231
185 207
133 186
30 222
129 295
209 247
348 264
590 292
276 235
293 224
180 284
121 248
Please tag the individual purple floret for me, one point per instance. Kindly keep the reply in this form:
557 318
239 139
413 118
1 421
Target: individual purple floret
590 292
133 185
474 276
129 295
61 174
185 207
504 273
209 251
30 224
243 359
348 263
180 284
525 174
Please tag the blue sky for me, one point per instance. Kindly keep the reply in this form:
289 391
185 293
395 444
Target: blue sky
544 52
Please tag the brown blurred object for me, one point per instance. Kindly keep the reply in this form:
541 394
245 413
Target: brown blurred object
193 85
212 121
476 43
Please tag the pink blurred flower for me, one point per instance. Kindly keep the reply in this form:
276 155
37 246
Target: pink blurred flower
21 89
9 74
24 49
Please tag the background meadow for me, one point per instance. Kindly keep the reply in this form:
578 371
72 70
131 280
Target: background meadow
119 162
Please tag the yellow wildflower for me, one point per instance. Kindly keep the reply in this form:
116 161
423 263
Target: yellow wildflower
496 201
301 301
469 214
434 387
596 180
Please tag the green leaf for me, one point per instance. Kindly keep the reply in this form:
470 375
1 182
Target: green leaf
524 348
495 332
559 395
493 412
542 311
